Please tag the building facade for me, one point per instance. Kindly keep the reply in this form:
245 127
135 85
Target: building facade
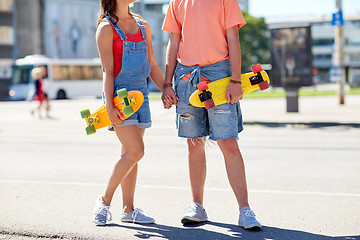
62 29
6 44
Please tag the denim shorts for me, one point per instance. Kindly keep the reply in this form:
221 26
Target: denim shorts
142 117
220 122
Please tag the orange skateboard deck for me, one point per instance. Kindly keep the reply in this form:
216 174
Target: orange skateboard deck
127 103
212 94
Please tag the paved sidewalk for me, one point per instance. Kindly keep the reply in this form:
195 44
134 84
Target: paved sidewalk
318 109
303 175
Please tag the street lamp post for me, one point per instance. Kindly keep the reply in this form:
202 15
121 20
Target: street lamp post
339 53
141 7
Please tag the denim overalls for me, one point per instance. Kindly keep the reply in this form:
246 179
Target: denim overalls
134 71
220 122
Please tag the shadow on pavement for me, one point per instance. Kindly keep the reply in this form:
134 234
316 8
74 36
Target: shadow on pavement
226 231
304 124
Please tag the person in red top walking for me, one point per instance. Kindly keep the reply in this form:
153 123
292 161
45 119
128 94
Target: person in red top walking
125 47
38 74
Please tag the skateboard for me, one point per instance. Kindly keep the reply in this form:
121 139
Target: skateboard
212 94
127 103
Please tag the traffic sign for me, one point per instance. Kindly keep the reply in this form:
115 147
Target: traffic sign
337 19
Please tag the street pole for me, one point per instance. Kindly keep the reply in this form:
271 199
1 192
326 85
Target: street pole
339 47
141 7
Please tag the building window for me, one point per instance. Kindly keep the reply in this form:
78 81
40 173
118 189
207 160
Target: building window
6 35
5 68
323 42
353 41
6 5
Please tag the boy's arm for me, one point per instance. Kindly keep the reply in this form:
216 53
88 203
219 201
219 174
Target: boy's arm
171 55
234 92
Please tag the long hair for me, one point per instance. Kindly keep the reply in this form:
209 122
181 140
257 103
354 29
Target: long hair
108 8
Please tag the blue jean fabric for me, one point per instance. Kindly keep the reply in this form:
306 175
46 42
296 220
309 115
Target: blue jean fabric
134 71
220 122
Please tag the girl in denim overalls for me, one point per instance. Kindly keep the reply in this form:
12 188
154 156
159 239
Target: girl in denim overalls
137 63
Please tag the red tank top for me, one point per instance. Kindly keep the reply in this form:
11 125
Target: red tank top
118 47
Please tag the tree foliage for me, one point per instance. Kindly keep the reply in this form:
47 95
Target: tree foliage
254 38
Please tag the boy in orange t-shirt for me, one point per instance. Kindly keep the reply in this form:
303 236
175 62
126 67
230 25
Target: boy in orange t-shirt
204 46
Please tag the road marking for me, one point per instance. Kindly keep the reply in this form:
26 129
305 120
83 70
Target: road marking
182 188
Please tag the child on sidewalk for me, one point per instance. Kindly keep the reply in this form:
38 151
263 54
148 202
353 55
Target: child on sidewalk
204 46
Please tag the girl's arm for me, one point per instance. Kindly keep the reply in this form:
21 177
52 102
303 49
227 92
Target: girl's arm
234 92
171 55
155 74
104 41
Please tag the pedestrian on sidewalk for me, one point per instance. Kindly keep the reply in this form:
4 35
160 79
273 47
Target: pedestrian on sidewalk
204 46
125 48
40 94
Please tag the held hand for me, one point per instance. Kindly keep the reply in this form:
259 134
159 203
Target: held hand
234 93
115 116
169 98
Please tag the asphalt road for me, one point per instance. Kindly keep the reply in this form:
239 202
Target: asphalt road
303 179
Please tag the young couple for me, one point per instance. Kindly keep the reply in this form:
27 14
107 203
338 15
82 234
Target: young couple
203 46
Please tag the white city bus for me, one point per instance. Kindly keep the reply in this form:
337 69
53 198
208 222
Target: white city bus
66 78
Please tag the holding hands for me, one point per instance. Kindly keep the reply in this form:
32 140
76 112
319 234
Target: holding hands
169 97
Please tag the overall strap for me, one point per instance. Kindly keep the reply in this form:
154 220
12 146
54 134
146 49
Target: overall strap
142 27
117 28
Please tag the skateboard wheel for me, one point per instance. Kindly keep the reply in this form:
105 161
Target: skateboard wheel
202 86
256 68
209 103
263 85
90 130
85 113
128 110
126 101
122 93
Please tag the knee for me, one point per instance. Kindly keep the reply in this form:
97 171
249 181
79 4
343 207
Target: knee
228 145
135 153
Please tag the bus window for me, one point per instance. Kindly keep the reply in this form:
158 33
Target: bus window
21 74
97 72
75 72
92 72
61 72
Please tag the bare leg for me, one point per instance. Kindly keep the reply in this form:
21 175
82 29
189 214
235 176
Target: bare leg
131 140
47 106
39 108
235 170
128 185
197 168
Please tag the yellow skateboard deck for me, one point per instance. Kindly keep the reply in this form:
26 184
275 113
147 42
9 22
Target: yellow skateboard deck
127 103
212 94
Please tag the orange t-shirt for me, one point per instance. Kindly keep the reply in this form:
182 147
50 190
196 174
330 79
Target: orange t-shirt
202 25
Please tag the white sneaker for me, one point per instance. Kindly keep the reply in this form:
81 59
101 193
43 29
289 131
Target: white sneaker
195 213
136 216
247 219
101 213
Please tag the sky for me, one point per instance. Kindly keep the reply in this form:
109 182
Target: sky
297 8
